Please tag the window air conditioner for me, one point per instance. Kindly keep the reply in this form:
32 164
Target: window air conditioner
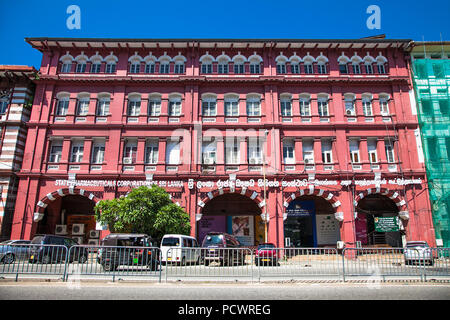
61 229
254 161
93 242
79 240
78 229
127 160
94 234
208 161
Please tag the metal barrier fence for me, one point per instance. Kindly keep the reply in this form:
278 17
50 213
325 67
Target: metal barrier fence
221 264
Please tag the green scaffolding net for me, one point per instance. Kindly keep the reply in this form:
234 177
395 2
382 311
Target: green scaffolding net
431 79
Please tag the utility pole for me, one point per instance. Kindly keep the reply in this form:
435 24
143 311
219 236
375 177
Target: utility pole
266 220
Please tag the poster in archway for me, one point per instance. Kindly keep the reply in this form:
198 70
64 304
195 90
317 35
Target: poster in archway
243 229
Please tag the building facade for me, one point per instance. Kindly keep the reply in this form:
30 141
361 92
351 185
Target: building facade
431 78
16 98
327 123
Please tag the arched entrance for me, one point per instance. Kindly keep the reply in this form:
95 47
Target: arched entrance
68 212
377 221
312 218
311 222
236 213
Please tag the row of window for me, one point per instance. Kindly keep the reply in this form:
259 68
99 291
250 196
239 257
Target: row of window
232 151
150 64
231 105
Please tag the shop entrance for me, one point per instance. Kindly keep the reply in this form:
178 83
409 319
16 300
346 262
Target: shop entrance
310 223
377 222
74 216
235 214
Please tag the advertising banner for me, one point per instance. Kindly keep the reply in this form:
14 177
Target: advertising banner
327 229
361 228
209 224
243 229
298 208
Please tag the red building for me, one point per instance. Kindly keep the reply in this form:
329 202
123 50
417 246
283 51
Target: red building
329 123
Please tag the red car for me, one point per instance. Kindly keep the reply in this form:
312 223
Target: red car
266 254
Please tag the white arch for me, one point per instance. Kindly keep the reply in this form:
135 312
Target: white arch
81 57
179 57
295 58
165 56
255 57
150 58
308 58
111 57
135 57
281 58
96 57
66 57
343 59
356 59
368 59
207 56
223 56
239 56
381 59
322 58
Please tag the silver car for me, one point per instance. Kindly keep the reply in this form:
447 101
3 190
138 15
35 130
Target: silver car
12 250
418 252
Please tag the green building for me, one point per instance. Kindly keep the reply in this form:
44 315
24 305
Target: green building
431 80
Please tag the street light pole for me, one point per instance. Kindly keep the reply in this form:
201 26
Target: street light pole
266 132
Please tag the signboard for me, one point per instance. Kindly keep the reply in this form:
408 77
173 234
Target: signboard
299 208
327 229
386 224
209 224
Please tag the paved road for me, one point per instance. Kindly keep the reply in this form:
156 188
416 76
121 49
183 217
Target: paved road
173 291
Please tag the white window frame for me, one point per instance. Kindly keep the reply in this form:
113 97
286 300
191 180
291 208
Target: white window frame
135 67
305 106
173 152
255 67
368 68
130 151
134 107
381 68
154 107
253 106
76 151
309 68
95 67
209 107
66 67
354 151
207 67
286 107
367 106
281 67
356 68
223 67
62 106
98 152
151 151
254 151
350 101
322 107
295 68
150 67
174 107
82 106
231 107
384 105
322 68
288 151
55 155
209 152
389 149
308 151
372 150
102 106
232 151
110 67
327 151
81 67
179 68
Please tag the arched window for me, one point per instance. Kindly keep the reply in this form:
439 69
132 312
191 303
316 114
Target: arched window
367 104
343 64
66 63
305 105
322 105
135 63
96 63
164 64
255 63
384 103
81 61
356 64
62 103
381 64
368 64
253 105
286 105
154 105
150 62
239 61
322 64
231 102
206 63
223 63
349 102
134 104
82 104
308 61
103 101
295 64
281 63
179 64
209 105
111 62
174 105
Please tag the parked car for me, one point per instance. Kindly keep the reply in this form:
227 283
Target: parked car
266 254
178 248
48 248
418 251
223 248
127 249
12 250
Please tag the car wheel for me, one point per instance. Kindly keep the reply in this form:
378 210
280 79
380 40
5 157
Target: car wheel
109 267
9 258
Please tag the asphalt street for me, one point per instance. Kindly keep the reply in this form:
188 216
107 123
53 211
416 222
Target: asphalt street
38 290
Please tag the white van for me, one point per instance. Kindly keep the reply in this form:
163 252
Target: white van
178 248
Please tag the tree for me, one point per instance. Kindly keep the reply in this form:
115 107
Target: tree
143 210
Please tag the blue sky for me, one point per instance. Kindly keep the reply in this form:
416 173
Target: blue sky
215 19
